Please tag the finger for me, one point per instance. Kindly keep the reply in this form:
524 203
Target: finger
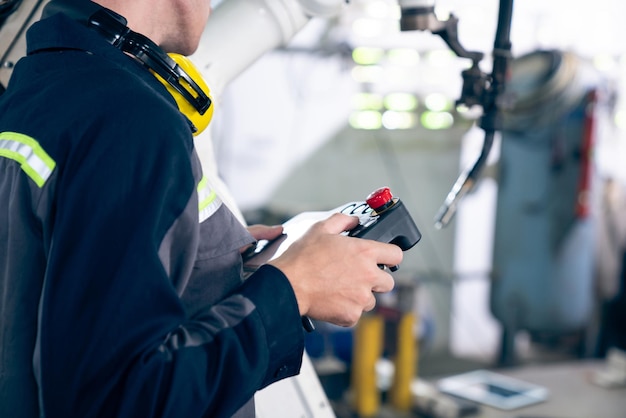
387 254
384 284
260 232
371 305
338 223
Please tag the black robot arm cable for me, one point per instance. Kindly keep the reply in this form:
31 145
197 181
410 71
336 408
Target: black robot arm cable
479 89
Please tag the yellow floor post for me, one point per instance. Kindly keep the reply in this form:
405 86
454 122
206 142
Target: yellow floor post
367 349
405 362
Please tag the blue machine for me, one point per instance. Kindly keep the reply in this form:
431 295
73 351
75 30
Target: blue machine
544 231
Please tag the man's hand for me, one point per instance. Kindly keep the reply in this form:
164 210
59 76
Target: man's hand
334 276
260 232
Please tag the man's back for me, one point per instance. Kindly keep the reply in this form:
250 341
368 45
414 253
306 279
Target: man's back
119 263
49 156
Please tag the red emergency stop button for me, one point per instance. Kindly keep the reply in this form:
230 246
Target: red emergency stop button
380 198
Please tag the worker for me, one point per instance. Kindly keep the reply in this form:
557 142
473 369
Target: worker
121 291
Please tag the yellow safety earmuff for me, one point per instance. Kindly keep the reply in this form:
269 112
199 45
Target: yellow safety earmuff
176 72
199 120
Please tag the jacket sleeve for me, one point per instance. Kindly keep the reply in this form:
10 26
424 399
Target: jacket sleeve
114 338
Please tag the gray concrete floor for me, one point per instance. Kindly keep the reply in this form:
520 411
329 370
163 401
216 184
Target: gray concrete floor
557 367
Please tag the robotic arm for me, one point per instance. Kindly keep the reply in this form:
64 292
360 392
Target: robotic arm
253 27
280 20
241 31
479 88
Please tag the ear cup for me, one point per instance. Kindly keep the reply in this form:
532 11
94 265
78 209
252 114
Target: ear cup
176 72
199 121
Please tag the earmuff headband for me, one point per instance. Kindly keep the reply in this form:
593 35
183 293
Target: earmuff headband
113 28
176 72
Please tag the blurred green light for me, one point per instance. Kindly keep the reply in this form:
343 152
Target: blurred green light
399 120
367 56
367 101
400 101
437 120
366 119
437 102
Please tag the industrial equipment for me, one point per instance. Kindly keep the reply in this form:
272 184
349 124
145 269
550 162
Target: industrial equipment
253 27
545 227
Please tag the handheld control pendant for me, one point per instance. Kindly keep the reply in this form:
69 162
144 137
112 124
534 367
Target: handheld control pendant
388 221
382 218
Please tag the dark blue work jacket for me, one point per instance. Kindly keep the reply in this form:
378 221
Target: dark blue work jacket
120 273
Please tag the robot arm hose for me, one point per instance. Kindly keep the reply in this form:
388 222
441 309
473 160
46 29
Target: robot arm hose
486 91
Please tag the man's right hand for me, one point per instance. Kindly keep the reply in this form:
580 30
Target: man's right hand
335 276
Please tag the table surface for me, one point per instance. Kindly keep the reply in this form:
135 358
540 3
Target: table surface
571 393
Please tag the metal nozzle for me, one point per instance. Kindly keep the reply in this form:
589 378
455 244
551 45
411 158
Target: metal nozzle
463 184
447 210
